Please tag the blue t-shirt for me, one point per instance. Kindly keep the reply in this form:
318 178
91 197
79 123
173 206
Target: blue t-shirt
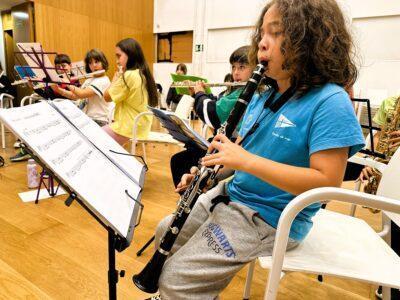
321 119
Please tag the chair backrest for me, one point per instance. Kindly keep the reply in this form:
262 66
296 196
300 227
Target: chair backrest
389 184
111 110
184 107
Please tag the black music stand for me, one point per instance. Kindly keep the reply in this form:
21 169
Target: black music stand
40 70
370 128
115 241
39 63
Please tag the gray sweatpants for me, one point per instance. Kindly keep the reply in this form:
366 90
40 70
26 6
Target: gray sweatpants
212 247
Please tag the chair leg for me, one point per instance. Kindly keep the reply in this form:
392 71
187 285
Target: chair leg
145 246
144 152
386 293
3 137
249 279
133 147
204 131
357 188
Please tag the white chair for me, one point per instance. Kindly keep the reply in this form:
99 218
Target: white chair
30 99
183 111
338 245
205 130
184 108
111 111
6 101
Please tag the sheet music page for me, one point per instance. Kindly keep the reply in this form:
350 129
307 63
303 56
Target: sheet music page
179 129
81 166
97 136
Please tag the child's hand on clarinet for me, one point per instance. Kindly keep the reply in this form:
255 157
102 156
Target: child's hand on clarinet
186 180
229 154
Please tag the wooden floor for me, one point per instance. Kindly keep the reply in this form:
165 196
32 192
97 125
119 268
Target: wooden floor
50 251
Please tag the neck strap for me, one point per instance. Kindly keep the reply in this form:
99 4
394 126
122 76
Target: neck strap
273 106
276 105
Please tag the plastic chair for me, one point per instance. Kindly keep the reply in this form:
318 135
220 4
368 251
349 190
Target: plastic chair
110 116
183 111
336 245
5 99
184 108
204 130
30 99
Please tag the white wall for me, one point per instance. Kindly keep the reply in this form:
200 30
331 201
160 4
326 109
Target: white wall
379 48
226 40
227 24
2 48
232 13
162 75
373 8
174 15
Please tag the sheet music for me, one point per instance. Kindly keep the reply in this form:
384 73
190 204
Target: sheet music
96 135
179 129
79 164
78 68
34 60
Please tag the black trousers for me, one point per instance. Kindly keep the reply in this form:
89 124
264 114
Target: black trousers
395 232
181 162
352 171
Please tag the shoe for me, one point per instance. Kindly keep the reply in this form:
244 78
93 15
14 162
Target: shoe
20 156
378 292
17 144
156 297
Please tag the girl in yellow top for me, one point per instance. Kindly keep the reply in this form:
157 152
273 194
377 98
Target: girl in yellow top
132 89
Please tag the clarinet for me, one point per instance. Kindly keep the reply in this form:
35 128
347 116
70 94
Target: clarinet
147 280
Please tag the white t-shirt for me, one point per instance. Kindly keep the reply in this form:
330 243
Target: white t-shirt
97 108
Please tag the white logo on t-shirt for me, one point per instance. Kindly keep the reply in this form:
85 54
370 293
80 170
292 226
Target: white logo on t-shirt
284 122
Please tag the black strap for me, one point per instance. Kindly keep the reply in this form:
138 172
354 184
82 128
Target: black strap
97 89
274 106
219 199
270 99
282 99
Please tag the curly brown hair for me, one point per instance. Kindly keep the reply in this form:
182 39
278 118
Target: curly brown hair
317 45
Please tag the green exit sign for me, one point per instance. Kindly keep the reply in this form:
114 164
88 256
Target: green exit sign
199 48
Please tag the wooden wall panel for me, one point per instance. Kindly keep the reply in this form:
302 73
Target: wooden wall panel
6 18
75 26
182 45
62 32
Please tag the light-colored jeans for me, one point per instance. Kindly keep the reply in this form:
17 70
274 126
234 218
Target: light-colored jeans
212 247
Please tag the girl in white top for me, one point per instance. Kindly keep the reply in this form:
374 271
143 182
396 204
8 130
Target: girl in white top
92 89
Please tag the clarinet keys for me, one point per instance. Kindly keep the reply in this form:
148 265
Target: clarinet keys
174 230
